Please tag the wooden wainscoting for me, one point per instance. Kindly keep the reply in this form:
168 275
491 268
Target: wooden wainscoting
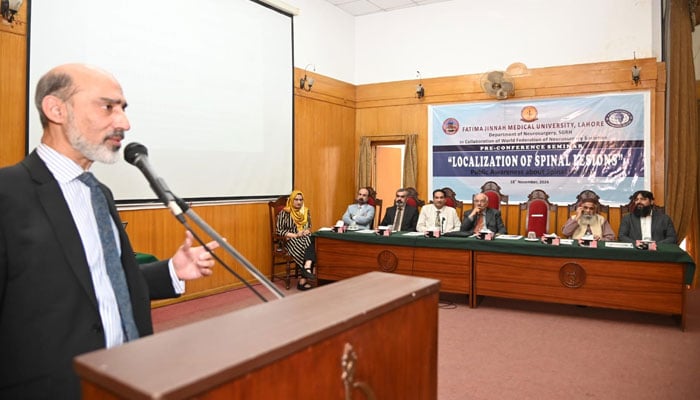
245 227
13 97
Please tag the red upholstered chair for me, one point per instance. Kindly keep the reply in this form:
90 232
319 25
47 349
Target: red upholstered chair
280 255
540 214
451 201
372 195
412 198
497 200
493 192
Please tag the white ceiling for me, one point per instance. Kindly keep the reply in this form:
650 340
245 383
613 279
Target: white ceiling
364 7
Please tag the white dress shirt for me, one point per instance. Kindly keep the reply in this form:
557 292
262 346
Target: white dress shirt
645 225
427 220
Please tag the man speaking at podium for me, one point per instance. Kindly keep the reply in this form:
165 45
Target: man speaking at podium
69 281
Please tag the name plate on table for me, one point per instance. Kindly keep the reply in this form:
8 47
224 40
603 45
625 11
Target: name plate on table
509 237
645 245
433 233
383 230
588 243
548 239
619 245
484 234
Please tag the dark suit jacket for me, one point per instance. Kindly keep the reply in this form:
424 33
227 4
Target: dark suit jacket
492 221
48 308
409 221
662 230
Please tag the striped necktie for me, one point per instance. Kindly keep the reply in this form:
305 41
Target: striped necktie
397 219
115 271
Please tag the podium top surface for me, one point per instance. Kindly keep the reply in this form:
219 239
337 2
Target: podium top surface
174 363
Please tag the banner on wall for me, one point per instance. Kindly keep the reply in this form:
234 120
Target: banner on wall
559 145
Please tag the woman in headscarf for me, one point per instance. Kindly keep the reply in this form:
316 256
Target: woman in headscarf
294 223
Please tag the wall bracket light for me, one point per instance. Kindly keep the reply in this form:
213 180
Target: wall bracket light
636 71
8 9
307 82
420 90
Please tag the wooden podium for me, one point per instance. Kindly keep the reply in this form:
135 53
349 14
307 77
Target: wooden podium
372 336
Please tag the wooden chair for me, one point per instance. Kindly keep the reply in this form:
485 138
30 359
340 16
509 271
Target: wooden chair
540 214
451 200
493 192
378 205
497 200
278 243
412 198
590 195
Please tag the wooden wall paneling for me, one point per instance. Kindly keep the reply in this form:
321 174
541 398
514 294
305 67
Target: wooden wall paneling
398 121
659 136
13 97
324 150
562 215
157 232
549 81
325 89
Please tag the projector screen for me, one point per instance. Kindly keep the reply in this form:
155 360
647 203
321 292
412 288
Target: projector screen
209 86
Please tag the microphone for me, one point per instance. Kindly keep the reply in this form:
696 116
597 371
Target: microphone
136 154
442 225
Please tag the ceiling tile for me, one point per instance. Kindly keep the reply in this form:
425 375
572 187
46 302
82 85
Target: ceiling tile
364 7
359 7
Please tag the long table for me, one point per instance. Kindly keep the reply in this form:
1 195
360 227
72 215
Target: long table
621 278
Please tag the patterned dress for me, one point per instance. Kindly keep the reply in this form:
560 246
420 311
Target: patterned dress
295 246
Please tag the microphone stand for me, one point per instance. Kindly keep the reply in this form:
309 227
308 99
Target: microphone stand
229 249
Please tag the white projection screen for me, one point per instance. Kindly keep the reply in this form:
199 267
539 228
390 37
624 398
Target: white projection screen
209 86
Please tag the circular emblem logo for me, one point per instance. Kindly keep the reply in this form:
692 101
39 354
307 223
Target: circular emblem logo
618 118
572 275
387 261
528 114
450 126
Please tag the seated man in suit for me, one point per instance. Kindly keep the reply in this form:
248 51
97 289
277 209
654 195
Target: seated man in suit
645 223
587 221
481 216
438 215
400 216
360 214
